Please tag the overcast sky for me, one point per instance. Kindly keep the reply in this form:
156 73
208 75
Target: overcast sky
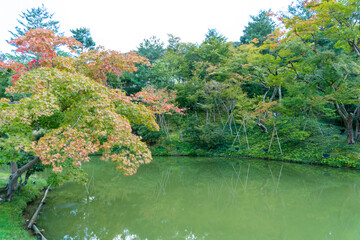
122 25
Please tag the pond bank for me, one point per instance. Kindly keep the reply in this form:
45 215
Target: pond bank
315 163
314 151
12 219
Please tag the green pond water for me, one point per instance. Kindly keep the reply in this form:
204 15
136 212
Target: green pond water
207 198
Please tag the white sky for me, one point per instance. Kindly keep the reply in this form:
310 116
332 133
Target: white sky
122 25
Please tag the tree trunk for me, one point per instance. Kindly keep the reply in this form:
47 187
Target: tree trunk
181 135
280 94
357 129
273 95
207 116
262 126
348 121
11 187
350 130
12 184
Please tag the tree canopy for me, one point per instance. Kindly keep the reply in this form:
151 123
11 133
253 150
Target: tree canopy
67 112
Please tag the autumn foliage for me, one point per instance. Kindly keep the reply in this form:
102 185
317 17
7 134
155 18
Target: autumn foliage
41 44
98 62
158 100
88 111
67 100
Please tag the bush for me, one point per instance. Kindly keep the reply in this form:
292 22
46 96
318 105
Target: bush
207 136
150 137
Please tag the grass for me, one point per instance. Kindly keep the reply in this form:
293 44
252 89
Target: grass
11 220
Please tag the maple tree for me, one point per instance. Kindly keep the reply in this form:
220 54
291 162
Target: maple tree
68 112
329 39
261 66
334 20
40 44
160 102
96 63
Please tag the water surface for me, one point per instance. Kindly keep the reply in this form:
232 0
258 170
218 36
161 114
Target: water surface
207 198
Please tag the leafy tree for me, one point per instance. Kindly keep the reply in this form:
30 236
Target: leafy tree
266 74
68 113
150 137
335 71
99 63
214 49
334 76
335 20
187 67
175 66
40 45
260 27
83 35
151 48
161 102
35 18
207 136
133 82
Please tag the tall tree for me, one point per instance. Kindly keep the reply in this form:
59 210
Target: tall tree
35 18
66 100
151 48
83 35
260 26
132 82
214 49
40 45
334 69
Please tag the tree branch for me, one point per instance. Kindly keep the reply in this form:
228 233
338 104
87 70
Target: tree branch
26 166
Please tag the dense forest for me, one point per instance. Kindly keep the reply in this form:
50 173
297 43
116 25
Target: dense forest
288 90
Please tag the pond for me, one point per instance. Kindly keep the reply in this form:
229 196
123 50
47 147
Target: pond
207 198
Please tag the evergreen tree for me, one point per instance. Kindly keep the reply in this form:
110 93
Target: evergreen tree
132 82
33 19
213 34
297 9
151 48
83 35
260 26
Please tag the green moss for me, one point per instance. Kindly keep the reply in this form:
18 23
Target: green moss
11 221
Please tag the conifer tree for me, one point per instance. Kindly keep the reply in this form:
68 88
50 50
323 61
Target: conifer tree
83 35
260 26
35 18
